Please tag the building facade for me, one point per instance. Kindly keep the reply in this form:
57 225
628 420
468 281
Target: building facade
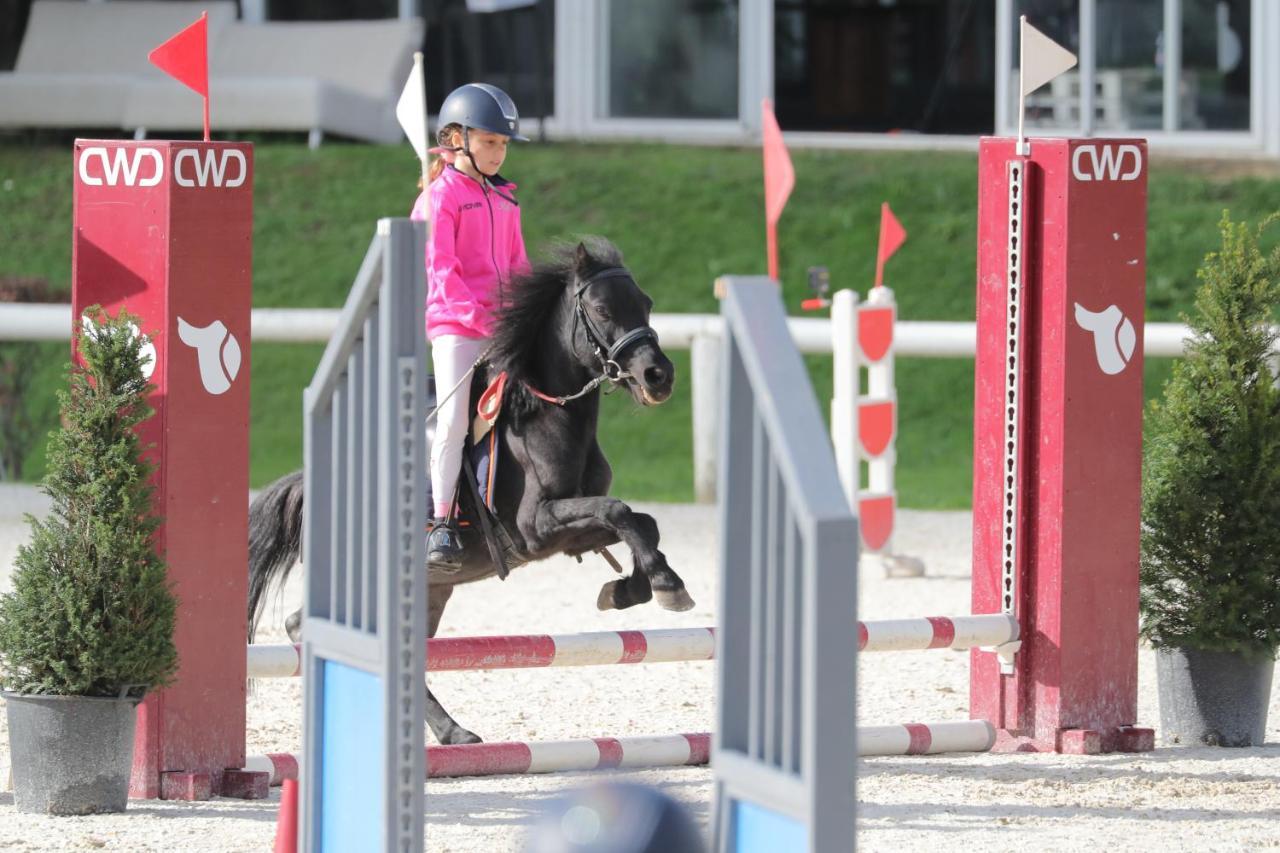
1199 75
1195 75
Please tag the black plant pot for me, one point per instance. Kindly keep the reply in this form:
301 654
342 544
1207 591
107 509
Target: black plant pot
71 755
1215 698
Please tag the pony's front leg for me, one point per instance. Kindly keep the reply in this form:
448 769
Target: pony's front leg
559 525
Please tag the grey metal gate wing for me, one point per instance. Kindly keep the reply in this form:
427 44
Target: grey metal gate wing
784 755
364 629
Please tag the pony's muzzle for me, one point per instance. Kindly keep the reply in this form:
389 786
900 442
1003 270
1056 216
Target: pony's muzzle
656 381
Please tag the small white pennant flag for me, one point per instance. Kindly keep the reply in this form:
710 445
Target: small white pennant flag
411 109
1042 58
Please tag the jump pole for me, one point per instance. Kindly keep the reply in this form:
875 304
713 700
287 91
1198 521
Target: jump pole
1058 440
516 758
603 648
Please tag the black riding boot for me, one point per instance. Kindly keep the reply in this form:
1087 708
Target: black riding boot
444 548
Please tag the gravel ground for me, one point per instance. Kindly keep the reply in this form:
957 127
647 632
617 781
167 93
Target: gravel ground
1172 799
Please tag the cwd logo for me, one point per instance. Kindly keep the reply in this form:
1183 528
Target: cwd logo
1106 162
209 170
144 167
135 167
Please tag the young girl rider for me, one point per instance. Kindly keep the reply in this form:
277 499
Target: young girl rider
474 248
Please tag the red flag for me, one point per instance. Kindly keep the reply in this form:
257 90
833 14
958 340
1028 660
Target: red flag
185 57
779 178
892 236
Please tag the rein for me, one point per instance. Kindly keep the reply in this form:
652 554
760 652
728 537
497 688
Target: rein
610 370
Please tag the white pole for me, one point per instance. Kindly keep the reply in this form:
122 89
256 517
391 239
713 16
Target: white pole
915 338
926 738
880 386
421 74
704 359
845 391
1022 149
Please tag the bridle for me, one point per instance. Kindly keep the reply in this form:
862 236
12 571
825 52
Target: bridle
607 354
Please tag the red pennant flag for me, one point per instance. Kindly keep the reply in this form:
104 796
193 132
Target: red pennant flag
779 178
185 57
892 236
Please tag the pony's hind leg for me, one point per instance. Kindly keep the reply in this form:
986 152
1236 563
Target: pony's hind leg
442 725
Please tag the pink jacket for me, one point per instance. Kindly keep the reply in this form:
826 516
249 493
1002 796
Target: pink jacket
474 247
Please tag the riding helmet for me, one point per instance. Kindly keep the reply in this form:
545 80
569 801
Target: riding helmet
482 107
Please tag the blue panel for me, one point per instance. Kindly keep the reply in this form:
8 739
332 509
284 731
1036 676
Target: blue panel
758 830
351 771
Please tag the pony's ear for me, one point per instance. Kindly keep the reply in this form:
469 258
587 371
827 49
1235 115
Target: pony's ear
581 257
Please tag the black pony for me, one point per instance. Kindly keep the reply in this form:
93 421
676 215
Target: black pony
577 321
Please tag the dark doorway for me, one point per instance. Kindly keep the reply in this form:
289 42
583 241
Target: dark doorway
924 66
514 49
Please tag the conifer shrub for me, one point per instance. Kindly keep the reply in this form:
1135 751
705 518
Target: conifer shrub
1211 494
91 611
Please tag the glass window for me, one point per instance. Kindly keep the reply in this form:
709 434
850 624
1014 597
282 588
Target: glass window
329 10
924 66
1129 75
514 49
1057 103
673 59
1215 65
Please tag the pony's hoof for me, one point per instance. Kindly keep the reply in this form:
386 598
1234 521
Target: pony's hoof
607 599
458 736
293 627
673 599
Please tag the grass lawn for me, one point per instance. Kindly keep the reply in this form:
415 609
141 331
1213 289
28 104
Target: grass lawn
682 216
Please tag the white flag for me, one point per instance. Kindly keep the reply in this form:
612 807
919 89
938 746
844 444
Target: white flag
1042 58
411 109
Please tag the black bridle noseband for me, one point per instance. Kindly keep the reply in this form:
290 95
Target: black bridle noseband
608 353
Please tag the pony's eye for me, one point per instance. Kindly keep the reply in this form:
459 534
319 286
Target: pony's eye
601 313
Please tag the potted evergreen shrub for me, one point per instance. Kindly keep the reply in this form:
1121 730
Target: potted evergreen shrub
88 625
1210 594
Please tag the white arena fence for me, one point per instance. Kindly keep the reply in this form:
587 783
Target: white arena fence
698 333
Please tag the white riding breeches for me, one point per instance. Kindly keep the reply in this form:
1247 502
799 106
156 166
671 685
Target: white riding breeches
451 357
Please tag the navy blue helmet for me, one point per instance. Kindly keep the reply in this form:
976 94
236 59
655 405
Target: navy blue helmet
482 107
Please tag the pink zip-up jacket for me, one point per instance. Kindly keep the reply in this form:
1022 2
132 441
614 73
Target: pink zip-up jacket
474 247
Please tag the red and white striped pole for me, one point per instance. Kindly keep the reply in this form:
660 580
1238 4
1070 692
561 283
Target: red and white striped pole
516 758
603 648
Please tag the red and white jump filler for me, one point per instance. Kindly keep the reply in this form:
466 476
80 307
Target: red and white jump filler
1058 440
864 427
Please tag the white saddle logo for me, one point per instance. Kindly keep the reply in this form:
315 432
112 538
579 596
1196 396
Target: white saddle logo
1113 337
218 352
147 352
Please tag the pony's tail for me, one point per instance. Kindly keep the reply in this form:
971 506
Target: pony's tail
275 540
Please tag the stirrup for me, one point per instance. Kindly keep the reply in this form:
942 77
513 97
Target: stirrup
443 547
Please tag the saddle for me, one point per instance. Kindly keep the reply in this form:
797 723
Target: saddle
478 473
478 476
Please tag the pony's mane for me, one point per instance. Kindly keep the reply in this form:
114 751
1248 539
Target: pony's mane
533 298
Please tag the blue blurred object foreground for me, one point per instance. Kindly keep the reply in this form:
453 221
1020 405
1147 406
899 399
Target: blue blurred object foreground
616 817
